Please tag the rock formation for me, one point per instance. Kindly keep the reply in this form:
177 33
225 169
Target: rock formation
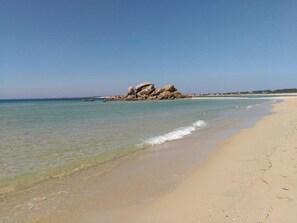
147 91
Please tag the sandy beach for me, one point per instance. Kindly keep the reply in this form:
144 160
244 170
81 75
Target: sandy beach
251 177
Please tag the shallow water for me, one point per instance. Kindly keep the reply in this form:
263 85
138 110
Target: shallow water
45 138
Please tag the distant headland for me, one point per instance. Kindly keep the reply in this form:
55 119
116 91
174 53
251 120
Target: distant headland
147 91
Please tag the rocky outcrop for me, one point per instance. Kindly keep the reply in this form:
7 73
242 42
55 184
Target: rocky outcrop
147 91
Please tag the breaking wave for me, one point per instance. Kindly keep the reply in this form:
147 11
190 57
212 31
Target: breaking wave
252 106
176 134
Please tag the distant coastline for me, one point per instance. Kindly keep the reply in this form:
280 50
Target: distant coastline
251 93
278 92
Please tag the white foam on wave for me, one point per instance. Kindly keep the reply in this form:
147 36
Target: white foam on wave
176 134
252 106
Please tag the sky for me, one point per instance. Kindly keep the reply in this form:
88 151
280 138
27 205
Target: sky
73 48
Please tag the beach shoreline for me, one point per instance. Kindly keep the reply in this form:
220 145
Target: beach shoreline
165 183
251 178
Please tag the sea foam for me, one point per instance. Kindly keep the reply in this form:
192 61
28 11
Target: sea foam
176 134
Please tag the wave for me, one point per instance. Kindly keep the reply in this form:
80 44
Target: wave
252 106
176 134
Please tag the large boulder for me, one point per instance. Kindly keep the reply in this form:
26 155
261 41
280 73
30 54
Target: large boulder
142 85
144 91
157 91
165 95
131 91
170 88
178 95
150 88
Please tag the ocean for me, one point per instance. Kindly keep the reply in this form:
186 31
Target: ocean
45 138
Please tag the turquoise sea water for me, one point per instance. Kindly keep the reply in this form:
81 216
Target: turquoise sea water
40 139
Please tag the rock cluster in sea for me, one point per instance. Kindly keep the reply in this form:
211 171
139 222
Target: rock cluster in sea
147 91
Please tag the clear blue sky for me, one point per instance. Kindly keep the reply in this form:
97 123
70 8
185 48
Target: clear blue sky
59 48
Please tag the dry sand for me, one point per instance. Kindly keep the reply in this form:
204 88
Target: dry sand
251 178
